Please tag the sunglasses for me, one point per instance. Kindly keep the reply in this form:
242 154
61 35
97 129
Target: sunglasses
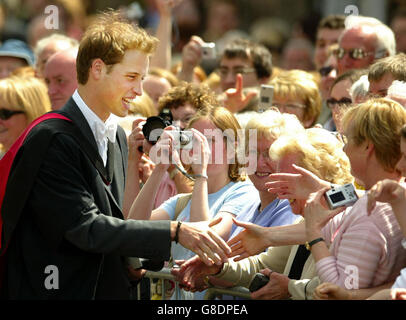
6 114
331 103
355 54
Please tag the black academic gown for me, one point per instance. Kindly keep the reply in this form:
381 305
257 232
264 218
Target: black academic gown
71 220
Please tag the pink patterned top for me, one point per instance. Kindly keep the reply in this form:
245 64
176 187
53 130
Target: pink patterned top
366 250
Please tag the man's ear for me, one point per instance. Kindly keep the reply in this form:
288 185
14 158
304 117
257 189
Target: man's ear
97 69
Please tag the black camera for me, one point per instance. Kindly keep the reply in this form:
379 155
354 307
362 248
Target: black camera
258 282
155 125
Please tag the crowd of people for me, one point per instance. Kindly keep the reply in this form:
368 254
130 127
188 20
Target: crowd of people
122 153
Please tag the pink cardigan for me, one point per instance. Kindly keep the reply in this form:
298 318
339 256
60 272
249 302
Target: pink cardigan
369 245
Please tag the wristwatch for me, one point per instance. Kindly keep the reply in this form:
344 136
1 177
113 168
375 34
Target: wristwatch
309 245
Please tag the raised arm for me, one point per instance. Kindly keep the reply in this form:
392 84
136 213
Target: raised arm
161 154
163 54
255 239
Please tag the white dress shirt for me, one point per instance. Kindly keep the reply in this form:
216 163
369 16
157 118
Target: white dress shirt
101 131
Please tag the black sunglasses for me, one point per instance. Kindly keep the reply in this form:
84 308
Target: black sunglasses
333 102
6 114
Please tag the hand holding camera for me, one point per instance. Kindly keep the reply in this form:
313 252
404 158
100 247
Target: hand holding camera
136 140
316 215
199 156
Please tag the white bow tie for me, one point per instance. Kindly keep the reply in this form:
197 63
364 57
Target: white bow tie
106 130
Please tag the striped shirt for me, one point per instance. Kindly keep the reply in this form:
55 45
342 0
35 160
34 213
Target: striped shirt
366 250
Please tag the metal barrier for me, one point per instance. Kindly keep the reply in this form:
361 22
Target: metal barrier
211 293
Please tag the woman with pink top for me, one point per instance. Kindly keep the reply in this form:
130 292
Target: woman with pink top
350 248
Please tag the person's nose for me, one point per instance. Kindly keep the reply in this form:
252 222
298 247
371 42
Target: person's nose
52 89
137 89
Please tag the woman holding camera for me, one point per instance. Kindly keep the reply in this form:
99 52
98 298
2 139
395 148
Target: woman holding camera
220 189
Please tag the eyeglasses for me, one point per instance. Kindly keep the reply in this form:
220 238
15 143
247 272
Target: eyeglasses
325 71
355 54
6 114
331 103
223 71
290 107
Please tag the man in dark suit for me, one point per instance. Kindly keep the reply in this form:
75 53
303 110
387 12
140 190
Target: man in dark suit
64 232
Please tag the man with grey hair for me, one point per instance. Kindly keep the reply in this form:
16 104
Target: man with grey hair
49 45
60 77
364 40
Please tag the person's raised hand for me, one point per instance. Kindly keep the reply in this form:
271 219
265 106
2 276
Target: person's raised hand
297 185
250 241
136 140
235 99
386 190
316 215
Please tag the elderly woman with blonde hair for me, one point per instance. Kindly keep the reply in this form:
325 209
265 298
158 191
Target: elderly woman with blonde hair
22 99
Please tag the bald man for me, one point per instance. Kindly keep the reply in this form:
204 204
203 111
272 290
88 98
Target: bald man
60 77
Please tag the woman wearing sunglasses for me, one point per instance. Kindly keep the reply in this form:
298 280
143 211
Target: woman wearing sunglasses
22 99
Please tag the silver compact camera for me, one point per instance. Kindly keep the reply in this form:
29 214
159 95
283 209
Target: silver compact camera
265 97
183 139
340 196
209 51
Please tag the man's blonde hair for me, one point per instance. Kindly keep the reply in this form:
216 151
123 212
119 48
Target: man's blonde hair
378 121
108 38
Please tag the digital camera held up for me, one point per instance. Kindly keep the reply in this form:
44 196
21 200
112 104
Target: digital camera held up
339 196
155 125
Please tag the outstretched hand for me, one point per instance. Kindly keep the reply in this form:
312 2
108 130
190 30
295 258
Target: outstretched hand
250 241
200 238
297 185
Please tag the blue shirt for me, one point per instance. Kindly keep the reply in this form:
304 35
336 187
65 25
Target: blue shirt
234 198
277 213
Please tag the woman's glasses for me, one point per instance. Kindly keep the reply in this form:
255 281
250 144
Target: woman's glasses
6 114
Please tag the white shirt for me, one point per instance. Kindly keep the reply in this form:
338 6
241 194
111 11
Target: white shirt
101 130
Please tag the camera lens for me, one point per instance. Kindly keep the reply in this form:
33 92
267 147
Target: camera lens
184 139
153 129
